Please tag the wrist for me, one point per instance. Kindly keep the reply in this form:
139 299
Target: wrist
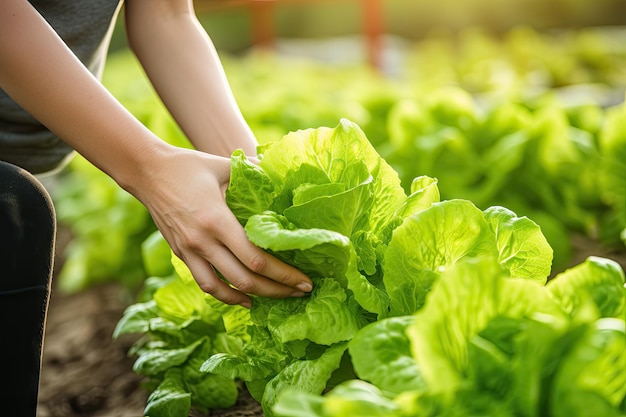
134 168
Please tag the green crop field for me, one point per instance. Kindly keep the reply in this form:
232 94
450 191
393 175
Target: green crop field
436 210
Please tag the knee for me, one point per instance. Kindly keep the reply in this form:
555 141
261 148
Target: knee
25 203
27 228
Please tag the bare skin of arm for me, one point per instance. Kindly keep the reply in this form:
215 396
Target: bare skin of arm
183 189
182 64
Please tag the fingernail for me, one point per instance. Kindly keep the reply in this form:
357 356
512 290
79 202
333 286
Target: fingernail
297 294
304 286
246 304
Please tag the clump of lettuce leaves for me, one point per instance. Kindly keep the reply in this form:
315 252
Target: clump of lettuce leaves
560 164
486 344
325 201
420 307
182 326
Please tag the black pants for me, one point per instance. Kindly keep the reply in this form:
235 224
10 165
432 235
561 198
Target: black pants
27 236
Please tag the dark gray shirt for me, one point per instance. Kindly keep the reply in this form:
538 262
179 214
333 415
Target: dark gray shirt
86 27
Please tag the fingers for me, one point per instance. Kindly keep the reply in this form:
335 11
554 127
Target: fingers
260 263
248 281
239 275
207 236
247 267
209 282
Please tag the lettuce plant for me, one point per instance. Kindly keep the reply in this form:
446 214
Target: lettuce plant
325 201
419 307
182 326
560 165
486 344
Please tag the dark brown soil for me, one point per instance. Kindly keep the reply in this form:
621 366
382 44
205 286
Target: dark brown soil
86 373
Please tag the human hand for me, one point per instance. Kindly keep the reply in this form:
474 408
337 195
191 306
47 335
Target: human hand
185 196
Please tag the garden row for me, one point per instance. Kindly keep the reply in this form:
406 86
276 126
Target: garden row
421 306
435 219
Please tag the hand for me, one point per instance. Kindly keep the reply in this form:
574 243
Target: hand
185 196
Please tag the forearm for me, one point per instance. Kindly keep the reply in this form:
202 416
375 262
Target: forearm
182 64
44 77
182 189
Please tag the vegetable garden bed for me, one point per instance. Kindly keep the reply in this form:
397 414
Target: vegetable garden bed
378 241
87 373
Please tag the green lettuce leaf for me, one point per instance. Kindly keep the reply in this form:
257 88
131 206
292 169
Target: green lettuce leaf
428 241
424 192
180 301
158 360
591 378
303 375
326 318
369 293
316 252
354 398
598 281
137 318
346 213
170 398
259 359
155 255
381 354
462 304
523 249
208 391
251 191
340 153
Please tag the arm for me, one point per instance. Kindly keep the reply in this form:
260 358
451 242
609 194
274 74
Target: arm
183 189
182 64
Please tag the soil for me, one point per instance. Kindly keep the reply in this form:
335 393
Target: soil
86 373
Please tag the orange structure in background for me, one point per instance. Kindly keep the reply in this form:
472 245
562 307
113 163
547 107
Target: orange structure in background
262 20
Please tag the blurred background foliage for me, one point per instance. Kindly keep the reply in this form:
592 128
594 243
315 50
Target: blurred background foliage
230 27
